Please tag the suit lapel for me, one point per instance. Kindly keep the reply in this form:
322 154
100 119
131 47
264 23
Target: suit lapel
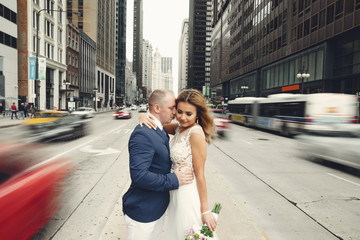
162 135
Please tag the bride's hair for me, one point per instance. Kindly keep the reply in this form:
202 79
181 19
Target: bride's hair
205 120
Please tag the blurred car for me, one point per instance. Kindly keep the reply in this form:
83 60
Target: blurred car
122 113
341 145
86 112
133 107
30 190
49 126
142 108
222 123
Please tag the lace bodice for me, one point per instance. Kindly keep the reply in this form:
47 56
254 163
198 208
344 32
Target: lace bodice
180 148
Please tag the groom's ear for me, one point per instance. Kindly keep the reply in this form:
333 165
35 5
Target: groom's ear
156 108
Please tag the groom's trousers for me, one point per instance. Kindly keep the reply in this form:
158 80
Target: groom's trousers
144 231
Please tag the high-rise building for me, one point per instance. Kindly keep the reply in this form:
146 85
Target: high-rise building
10 87
42 31
156 71
199 45
72 99
183 55
98 20
264 45
120 51
147 67
166 73
137 42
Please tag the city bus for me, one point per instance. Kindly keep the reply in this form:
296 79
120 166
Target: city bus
291 114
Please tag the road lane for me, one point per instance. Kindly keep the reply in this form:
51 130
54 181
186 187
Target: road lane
289 197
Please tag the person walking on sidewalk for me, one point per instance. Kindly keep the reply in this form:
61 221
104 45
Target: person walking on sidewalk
22 111
188 205
13 111
147 199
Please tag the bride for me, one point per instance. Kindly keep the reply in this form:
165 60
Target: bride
188 204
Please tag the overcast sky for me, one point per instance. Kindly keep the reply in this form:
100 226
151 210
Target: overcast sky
161 26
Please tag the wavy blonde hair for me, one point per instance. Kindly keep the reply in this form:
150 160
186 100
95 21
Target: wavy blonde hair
205 120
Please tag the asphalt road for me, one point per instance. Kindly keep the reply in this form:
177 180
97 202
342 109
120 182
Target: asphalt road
285 196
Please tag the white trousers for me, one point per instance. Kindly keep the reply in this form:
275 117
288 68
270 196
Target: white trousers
144 231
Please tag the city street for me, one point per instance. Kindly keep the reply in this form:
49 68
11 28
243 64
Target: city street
267 189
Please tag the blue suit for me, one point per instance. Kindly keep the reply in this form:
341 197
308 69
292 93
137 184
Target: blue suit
148 195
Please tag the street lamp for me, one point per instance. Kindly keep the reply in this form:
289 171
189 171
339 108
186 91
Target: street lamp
67 83
244 88
37 102
301 75
95 98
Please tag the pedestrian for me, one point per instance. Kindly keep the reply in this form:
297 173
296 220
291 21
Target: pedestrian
26 109
194 128
145 202
22 111
1 110
13 109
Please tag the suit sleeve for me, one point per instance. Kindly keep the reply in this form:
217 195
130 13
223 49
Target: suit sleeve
141 154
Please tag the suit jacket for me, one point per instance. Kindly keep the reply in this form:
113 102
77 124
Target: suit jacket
148 195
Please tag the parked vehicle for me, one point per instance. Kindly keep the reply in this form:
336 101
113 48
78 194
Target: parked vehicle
122 114
49 126
292 114
30 190
85 112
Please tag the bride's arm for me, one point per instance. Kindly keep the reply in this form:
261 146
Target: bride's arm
147 120
198 149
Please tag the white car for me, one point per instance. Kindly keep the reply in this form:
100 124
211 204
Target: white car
342 145
142 108
87 112
133 107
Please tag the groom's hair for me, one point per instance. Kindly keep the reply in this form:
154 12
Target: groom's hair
157 96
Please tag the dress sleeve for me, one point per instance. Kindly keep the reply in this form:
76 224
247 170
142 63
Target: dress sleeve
196 130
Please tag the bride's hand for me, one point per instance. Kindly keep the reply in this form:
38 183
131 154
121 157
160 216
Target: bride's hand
209 220
147 120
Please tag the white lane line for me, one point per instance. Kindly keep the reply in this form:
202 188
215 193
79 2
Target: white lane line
344 179
117 128
246 141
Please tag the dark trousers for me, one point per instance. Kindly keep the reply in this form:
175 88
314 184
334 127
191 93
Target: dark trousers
12 114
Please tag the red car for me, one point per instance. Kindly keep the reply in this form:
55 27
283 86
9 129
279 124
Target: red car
29 191
122 113
221 121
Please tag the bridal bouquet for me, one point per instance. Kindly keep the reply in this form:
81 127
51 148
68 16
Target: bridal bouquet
203 232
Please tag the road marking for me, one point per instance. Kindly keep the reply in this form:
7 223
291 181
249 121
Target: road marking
344 179
117 128
90 149
246 141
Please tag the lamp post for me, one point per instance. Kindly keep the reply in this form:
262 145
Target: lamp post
37 100
67 83
301 75
95 98
244 88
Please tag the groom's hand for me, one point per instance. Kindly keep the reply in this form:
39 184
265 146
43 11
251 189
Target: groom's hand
184 175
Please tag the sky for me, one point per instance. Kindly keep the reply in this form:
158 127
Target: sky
161 26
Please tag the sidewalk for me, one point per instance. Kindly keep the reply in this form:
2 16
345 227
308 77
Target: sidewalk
7 122
233 222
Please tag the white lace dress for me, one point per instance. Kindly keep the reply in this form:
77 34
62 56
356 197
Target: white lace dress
184 207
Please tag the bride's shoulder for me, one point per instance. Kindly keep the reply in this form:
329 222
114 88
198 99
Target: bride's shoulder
196 129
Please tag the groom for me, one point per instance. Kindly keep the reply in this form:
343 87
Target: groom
145 203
